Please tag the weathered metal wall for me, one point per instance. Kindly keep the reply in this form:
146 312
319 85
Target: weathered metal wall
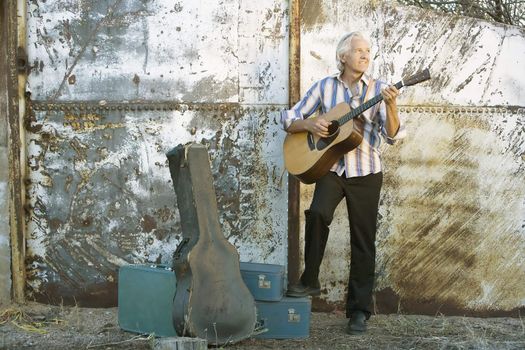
114 85
5 254
13 88
452 217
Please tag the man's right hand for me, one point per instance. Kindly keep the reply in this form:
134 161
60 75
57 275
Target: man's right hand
317 126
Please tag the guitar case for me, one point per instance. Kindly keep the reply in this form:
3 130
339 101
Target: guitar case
211 300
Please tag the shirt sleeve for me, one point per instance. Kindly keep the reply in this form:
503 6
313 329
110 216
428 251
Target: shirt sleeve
401 132
304 108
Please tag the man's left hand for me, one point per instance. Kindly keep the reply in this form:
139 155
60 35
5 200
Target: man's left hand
390 94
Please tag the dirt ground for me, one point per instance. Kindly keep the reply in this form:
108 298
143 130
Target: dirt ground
38 326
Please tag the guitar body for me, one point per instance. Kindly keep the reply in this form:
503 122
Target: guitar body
211 300
309 157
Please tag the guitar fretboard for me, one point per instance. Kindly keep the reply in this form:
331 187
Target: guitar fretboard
367 105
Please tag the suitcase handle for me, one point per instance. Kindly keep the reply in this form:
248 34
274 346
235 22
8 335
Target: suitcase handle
260 327
161 266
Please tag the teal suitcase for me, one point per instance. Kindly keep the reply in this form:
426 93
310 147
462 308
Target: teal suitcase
145 299
285 319
266 282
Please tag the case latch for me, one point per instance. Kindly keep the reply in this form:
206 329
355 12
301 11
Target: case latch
264 283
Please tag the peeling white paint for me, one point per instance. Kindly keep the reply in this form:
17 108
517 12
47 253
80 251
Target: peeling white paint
108 170
472 62
5 234
228 52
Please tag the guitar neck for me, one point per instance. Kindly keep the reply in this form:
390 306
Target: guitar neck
365 106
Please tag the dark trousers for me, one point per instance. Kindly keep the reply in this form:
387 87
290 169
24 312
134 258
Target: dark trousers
362 201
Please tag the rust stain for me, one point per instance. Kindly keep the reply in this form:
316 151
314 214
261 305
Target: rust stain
162 234
294 192
453 238
55 224
67 183
387 301
315 55
80 148
321 305
209 89
71 117
87 221
148 223
273 23
13 35
312 14
164 214
109 16
88 122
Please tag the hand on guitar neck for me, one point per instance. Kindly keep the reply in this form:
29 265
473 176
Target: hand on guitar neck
390 95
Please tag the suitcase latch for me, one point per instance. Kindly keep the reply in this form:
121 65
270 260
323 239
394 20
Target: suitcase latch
264 283
293 317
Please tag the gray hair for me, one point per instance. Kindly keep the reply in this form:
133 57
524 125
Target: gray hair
343 47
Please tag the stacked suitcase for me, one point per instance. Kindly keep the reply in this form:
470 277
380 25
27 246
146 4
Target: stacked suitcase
145 301
280 317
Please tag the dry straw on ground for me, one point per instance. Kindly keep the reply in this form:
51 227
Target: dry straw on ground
45 327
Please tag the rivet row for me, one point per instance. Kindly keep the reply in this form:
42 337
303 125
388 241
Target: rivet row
153 106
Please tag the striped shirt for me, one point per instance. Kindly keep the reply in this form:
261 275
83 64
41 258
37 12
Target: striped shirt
324 95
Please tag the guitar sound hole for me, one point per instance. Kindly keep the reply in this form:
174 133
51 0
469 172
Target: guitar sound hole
333 128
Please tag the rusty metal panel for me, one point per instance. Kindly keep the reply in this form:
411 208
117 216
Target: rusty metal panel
472 62
452 211
129 50
195 51
454 216
101 194
114 86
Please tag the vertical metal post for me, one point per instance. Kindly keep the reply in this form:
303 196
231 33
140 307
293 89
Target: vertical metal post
15 15
293 183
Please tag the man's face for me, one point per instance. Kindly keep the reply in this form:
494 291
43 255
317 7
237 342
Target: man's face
357 58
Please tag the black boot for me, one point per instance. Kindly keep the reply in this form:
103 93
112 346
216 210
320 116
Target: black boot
299 290
357 323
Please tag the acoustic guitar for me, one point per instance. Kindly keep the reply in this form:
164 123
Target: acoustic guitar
309 157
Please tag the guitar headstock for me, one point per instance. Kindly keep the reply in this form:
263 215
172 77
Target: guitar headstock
417 78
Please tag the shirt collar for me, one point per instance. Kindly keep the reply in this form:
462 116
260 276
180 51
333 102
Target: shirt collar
365 78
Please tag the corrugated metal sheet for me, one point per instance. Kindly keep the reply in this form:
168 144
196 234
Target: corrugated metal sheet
115 86
451 235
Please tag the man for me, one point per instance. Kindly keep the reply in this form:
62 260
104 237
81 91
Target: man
357 176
